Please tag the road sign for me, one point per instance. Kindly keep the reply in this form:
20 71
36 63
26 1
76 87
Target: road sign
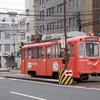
65 77
68 73
62 41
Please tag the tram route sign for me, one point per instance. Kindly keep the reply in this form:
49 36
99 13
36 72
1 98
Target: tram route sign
62 41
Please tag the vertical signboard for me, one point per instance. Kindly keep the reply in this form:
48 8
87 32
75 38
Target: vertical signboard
62 41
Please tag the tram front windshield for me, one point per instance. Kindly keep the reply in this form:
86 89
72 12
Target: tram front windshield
92 49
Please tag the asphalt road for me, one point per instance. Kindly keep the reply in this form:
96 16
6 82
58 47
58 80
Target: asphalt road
13 89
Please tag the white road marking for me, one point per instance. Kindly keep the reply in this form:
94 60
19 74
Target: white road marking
80 87
25 95
1 78
12 79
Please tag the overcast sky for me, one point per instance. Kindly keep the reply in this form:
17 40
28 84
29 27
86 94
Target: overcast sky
12 4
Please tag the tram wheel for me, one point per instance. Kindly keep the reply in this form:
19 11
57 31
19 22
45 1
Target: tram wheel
55 75
83 77
33 74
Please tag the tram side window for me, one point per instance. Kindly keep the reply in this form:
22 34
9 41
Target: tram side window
22 54
69 49
54 51
33 53
37 52
72 50
29 53
81 50
42 52
48 52
60 51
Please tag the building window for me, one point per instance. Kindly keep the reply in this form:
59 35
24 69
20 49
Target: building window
71 4
58 24
71 21
74 4
7 35
22 36
60 8
7 47
49 27
27 12
77 3
42 27
28 39
22 23
4 19
67 22
61 23
53 25
41 14
28 26
41 1
50 11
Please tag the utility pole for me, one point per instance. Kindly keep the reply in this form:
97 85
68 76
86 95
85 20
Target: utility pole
13 20
79 21
66 56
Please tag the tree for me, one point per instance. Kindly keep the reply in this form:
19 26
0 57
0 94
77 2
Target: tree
21 44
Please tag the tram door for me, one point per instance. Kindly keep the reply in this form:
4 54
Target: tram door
53 62
48 61
72 58
40 62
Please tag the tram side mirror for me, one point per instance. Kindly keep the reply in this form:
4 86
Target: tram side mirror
63 61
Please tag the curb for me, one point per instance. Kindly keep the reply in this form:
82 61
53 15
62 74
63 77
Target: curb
4 70
34 79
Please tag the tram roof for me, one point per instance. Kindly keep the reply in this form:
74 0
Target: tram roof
75 37
71 34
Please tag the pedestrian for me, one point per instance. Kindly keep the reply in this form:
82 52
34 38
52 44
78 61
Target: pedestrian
13 66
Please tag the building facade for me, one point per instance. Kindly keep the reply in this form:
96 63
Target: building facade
28 21
8 40
47 16
53 14
78 12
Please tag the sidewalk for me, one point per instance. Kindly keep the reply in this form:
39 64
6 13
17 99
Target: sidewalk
9 72
4 70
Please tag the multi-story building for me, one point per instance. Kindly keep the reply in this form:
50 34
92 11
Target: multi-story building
8 40
77 12
28 21
47 16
